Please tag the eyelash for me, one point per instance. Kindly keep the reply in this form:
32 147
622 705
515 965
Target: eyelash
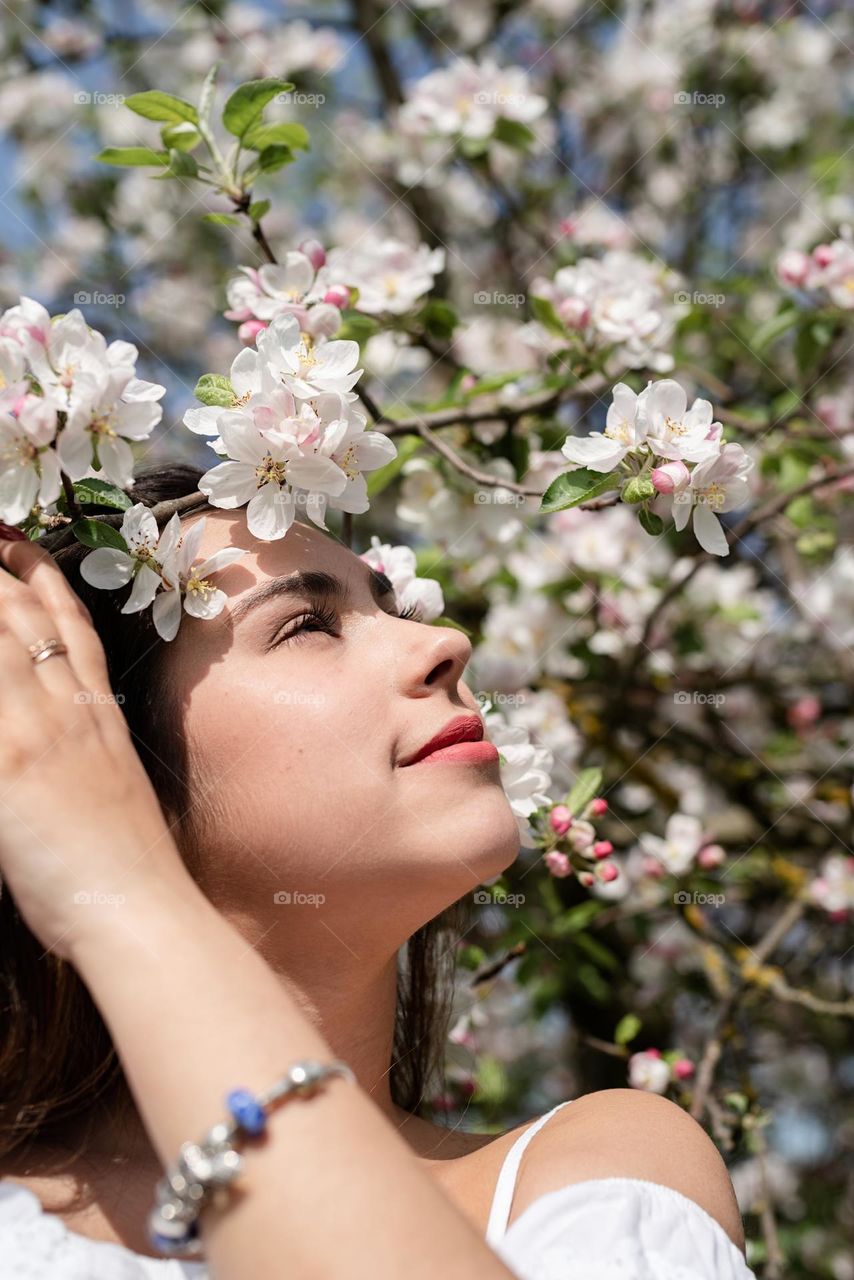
327 620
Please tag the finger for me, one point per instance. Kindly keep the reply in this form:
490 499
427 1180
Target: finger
72 622
28 622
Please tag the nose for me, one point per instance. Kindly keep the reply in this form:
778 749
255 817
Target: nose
438 659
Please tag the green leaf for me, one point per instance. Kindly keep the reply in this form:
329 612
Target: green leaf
154 105
100 493
207 94
638 489
181 165
261 135
215 389
439 318
132 156
627 1028
245 105
513 133
585 787
773 328
491 1080
273 158
258 208
572 487
651 522
544 312
222 219
95 533
578 917
180 137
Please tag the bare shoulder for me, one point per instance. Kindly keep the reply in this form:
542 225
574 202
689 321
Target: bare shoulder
629 1133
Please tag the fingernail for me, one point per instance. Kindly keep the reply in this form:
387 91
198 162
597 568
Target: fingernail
11 534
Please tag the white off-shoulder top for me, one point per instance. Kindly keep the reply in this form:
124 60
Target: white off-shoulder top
600 1229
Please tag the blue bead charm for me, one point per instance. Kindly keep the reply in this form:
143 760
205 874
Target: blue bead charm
246 1111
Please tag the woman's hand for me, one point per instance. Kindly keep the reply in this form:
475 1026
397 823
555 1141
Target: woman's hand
82 835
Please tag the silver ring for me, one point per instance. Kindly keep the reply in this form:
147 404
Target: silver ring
44 649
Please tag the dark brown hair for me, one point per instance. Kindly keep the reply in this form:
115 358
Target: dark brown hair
58 1065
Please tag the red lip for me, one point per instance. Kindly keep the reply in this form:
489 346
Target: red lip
460 729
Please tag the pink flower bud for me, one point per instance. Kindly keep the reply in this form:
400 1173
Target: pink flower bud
558 863
602 848
793 267
653 1053
711 855
670 477
586 879
652 867
682 1068
822 255
581 835
598 806
567 226
338 295
467 382
574 312
607 871
314 251
804 712
248 332
560 819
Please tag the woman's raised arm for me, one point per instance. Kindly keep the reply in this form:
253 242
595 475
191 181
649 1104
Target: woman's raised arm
194 1011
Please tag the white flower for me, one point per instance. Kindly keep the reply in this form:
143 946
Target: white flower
398 563
649 1071
624 430
29 467
525 768
833 889
107 411
264 473
12 368
147 547
162 566
391 276
719 484
292 287
683 837
186 581
354 450
672 429
305 368
466 99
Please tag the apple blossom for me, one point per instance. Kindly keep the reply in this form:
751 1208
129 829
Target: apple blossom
682 841
398 563
717 485
649 1071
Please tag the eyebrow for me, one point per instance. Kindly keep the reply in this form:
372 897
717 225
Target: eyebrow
309 584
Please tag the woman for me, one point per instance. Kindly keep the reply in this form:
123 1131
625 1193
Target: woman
216 849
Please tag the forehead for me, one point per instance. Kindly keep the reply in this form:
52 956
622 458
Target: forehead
303 547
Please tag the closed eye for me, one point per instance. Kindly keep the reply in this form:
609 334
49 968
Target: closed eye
324 620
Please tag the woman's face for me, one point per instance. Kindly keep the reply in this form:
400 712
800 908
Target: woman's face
296 724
